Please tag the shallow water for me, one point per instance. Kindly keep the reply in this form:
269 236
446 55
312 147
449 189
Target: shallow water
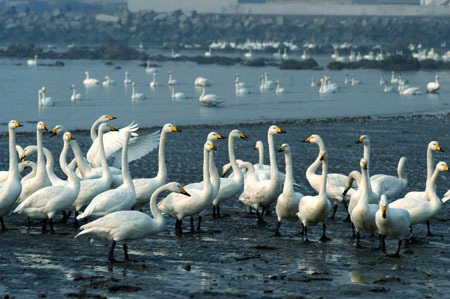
20 85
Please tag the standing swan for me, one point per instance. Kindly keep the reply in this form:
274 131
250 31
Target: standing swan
130 225
121 198
145 187
48 201
289 200
315 209
179 207
10 189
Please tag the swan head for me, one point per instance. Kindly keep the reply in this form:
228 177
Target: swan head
237 134
434 146
363 164
442 166
273 130
105 118
177 188
285 148
209 146
170 128
212 136
41 126
58 130
104 127
259 144
364 139
67 137
314 139
14 124
383 205
134 84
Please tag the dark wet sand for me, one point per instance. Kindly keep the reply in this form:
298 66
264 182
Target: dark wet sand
233 256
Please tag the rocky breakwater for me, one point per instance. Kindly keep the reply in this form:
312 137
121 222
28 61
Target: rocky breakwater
178 28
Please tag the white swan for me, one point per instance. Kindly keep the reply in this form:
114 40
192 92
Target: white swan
32 62
208 53
248 54
288 201
75 96
145 187
387 88
432 146
315 209
285 55
393 223
171 81
173 54
31 174
121 198
278 90
406 90
127 80
179 207
135 95
177 95
239 83
240 91
264 192
40 180
46 202
138 147
230 187
49 164
268 84
89 81
130 225
153 84
108 81
201 81
210 100
149 69
355 81
43 100
336 182
11 188
4 173
393 79
433 87
422 210
313 82
363 214
89 188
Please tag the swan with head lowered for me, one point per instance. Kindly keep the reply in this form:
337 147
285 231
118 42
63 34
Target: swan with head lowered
48 201
210 100
315 209
145 187
10 189
41 179
119 199
231 186
393 223
178 206
130 225
335 181
432 147
288 201
108 81
263 192
423 210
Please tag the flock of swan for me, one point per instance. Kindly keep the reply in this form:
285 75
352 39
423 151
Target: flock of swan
99 186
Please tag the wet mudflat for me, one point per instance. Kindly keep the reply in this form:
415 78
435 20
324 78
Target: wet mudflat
233 256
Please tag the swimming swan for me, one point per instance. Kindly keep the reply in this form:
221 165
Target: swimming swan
75 96
89 81
210 100
130 225
433 87
135 95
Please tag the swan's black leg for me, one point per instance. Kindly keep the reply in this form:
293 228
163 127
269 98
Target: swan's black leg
125 252
111 253
397 254
192 224
357 240
306 235
179 226
324 238
44 226
277 231
261 216
199 222
52 230
3 225
334 210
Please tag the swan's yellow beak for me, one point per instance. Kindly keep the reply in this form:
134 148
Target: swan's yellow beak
218 136
364 165
383 211
17 124
111 117
43 127
360 140
111 128
445 167
322 156
242 135
279 130
22 158
282 148
69 136
182 191
438 148
308 139
212 147
174 129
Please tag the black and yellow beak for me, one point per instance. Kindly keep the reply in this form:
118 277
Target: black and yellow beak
212 147
111 117
446 167
182 191
322 156
282 148
364 165
53 132
360 140
383 210
17 124
174 129
438 148
43 127
241 135
280 131
23 157
111 128
218 136
308 139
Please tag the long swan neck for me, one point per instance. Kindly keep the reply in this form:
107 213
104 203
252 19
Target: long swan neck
94 129
162 170
261 154
156 212
273 157
81 162
203 92
206 181
365 185
232 158
104 163
13 163
313 167
125 171
367 157
323 187
40 154
71 176
401 171
429 163
288 186
213 173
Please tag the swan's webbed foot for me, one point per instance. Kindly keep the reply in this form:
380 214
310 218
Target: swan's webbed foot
324 237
